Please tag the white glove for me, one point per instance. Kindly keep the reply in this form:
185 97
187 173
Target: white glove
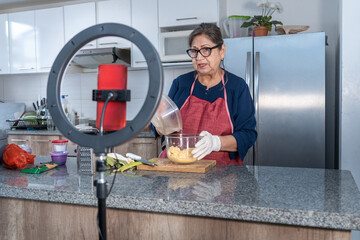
206 145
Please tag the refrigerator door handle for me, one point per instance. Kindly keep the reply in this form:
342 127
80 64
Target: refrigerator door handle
248 72
256 103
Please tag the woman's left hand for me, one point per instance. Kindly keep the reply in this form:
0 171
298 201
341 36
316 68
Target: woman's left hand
206 145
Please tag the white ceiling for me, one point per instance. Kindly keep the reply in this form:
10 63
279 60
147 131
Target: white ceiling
20 5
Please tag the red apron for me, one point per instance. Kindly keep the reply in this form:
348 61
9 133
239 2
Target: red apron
200 115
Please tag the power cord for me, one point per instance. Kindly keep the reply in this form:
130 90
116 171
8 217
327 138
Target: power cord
109 96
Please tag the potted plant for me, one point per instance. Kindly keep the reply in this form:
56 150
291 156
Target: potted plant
263 23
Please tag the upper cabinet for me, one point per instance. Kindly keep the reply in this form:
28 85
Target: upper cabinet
187 12
49 37
144 18
77 18
4 44
114 11
22 42
31 40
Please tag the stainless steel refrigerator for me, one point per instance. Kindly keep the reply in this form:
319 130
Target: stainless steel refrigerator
286 77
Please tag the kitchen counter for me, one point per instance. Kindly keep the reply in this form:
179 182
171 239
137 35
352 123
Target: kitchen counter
291 196
57 133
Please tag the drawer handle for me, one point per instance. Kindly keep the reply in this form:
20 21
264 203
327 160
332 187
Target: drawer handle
28 68
90 44
108 43
18 140
140 61
45 67
41 140
189 18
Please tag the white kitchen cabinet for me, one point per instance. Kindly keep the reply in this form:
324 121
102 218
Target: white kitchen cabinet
187 12
49 37
22 42
144 18
114 11
77 18
4 45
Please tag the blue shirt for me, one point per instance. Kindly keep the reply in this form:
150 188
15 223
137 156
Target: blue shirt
240 104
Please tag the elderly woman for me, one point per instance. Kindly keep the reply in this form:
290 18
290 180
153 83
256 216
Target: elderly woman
214 102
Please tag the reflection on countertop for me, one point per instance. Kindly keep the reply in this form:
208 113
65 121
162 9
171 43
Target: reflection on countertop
295 196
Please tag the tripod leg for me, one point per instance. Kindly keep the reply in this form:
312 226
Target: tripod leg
101 193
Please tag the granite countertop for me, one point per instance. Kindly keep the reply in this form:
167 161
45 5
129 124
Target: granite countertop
294 196
144 134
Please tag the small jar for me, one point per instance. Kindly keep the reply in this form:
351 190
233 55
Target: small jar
60 145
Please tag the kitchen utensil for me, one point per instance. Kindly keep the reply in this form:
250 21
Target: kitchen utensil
232 26
179 147
167 118
59 157
164 164
139 159
49 122
42 112
291 29
60 145
85 160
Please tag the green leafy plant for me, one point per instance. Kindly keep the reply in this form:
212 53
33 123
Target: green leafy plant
265 19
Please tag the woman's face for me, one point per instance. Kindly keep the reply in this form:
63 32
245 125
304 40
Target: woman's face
211 64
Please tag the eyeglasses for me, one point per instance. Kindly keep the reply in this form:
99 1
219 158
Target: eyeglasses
205 52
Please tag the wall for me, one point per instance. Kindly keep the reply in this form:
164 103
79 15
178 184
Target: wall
27 87
350 88
1 89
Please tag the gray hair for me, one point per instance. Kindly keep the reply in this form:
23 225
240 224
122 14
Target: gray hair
210 30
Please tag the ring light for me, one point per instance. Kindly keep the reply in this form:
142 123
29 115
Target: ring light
97 142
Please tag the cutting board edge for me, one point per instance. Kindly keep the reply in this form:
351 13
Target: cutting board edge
165 169
183 168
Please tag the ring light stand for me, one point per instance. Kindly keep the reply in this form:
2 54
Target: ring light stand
100 143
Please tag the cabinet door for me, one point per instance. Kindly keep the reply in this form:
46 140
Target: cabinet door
77 18
19 139
144 18
114 11
41 144
49 37
147 148
22 42
4 44
187 12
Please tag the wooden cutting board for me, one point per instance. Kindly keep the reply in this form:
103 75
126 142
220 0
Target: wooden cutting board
164 164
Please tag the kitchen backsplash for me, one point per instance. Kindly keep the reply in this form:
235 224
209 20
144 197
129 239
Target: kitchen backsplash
78 86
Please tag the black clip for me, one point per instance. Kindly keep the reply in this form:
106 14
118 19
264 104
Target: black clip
118 95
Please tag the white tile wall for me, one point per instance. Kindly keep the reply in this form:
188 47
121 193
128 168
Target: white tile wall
138 83
24 88
71 86
1 89
43 84
27 87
